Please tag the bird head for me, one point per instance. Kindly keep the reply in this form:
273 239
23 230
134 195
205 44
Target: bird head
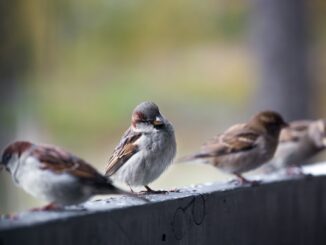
12 152
147 116
271 121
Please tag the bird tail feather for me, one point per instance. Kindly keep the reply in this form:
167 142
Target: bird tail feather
193 157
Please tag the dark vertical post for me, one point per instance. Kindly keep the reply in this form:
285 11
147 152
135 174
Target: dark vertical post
281 48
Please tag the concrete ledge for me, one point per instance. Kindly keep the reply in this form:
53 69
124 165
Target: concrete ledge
279 211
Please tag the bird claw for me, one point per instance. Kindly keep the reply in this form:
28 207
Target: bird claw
247 182
48 207
154 192
151 191
243 181
255 182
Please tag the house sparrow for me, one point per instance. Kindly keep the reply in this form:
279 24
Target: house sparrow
243 147
300 141
145 150
54 175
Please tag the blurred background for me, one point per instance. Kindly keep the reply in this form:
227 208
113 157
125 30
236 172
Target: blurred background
71 73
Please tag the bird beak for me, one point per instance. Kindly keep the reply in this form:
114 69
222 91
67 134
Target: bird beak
158 121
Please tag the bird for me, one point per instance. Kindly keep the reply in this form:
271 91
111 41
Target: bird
243 147
54 175
300 141
145 150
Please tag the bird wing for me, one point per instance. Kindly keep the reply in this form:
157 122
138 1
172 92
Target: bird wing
236 139
60 161
123 152
217 137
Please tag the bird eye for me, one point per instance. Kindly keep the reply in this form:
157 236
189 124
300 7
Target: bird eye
6 158
144 121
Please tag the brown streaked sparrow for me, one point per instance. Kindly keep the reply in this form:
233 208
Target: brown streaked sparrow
300 141
145 150
243 147
54 175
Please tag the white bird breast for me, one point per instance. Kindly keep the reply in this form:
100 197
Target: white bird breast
156 152
61 188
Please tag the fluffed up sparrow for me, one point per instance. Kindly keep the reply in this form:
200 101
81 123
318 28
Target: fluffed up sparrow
145 150
243 147
54 175
300 141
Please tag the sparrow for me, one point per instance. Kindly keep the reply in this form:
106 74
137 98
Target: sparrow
54 175
243 147
145 150
300 141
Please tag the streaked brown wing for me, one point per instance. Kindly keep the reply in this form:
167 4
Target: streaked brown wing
60 161
216 139
123 152
232 142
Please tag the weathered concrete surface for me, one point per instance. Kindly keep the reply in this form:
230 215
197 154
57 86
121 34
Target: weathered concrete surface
279 211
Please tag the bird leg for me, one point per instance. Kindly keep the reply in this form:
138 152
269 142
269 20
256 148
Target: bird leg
48 207
244 180
151 191
131 190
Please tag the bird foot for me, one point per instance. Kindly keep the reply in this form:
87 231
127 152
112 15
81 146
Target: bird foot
154 192
255 182
48 207
296 171
151 191
244 181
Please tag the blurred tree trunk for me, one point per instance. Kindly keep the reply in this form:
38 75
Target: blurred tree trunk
281 48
